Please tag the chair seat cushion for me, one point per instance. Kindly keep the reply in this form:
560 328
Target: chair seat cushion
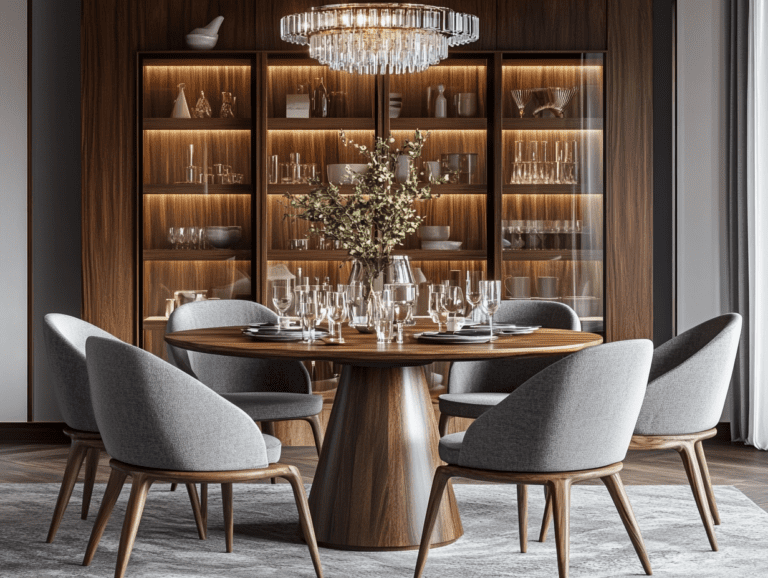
276 405
469 404
274 448
450 447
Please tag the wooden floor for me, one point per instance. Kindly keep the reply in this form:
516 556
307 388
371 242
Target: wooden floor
729 464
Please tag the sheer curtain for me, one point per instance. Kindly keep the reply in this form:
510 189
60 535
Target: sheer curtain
748 214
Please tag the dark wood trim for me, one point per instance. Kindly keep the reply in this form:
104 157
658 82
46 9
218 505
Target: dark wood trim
259 209
138 206
495 170
30 236
44 432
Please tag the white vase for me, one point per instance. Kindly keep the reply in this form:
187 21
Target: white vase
180 107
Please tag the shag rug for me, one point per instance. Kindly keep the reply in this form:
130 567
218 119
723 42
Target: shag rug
267 540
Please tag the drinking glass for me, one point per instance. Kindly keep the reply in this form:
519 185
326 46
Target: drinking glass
490 299
321 298
194 237
383 312
274 168
306 307
358 308
404 297
437 313
452 301
173 237
473 290
337 313
286 174
282 299
183 238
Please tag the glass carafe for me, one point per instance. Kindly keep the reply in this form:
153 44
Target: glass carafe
227 105
320 99
203 107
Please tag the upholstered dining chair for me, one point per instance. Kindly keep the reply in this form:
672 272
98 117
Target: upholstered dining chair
268 390
476 386
569 423
686 393
65 338
160 424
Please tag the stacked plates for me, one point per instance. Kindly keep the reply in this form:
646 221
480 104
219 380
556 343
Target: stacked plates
459 338
272 332
507 328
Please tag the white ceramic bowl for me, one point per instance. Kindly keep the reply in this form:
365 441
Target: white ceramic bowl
441 245
201 41
223 237
337 174
434 232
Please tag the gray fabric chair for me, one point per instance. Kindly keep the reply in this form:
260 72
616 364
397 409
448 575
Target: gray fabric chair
267 390
571 422
158 423
65 338
476 386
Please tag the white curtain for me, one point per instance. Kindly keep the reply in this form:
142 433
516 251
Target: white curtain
757 190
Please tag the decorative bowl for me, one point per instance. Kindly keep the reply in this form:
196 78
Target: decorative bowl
434 232
394 111
441 245
223 237
337 174
201 41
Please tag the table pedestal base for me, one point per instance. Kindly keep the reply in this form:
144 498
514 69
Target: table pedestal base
373 479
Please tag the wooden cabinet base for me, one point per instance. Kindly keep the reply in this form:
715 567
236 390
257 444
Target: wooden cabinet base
372 484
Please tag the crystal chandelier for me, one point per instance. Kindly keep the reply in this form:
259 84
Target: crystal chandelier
379 38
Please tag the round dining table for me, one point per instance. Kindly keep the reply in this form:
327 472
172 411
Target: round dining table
374 474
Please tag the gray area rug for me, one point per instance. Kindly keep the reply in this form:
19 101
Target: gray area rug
267 544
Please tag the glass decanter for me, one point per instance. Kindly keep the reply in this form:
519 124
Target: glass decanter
227 105
203 107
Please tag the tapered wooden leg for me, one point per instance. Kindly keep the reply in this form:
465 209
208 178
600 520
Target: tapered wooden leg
621 501
173 487
547 518
442 426
114 486
560 490
294 478
91 465
317 432
194 500
75 459
522 516
707 482
268 428
688 454
229 521
439 483
204 506
140 484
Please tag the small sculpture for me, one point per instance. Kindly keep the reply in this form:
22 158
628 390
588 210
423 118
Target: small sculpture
205 38
203 107
180 107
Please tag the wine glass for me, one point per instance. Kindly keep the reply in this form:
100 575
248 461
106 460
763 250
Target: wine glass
404 298
173 237
282 298
337 313
452 301
320 295
306 306
521 97
490 299
437 314
473 290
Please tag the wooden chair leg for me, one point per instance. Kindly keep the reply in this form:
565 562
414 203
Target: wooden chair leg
317 432
547 517
140 484
688 454
115 484
294 478
75 459
442 427
229 520
268 428
522 516
173 487
204 506
439 483
195 501
91 466
560 490
621 501
707 482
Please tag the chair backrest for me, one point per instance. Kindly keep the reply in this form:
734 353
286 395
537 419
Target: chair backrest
65 347
154 415
505 375
689 379
577 414
225 374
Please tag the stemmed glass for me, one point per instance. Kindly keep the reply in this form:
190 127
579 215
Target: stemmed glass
404 297
173 237
437 313
320 293
306 307
282 298
337 313
452 301
522 98
473 290
490 299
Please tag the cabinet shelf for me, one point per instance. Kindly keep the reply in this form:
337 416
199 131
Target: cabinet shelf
414 254
429 123
320 124
197 254
546 190
192 189
157 323
197 124
552 124
553 255
436 189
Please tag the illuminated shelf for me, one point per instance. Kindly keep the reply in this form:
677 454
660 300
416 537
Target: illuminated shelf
552 255
414 254
320 124
552 124
192 189
546 190
436 189
197 254
438 123
197 124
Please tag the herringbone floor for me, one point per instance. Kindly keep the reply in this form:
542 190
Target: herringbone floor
729 464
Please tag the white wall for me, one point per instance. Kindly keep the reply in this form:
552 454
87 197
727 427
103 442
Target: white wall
13 210
701 155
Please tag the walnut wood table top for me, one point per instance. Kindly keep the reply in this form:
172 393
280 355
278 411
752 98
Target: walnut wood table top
362 348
